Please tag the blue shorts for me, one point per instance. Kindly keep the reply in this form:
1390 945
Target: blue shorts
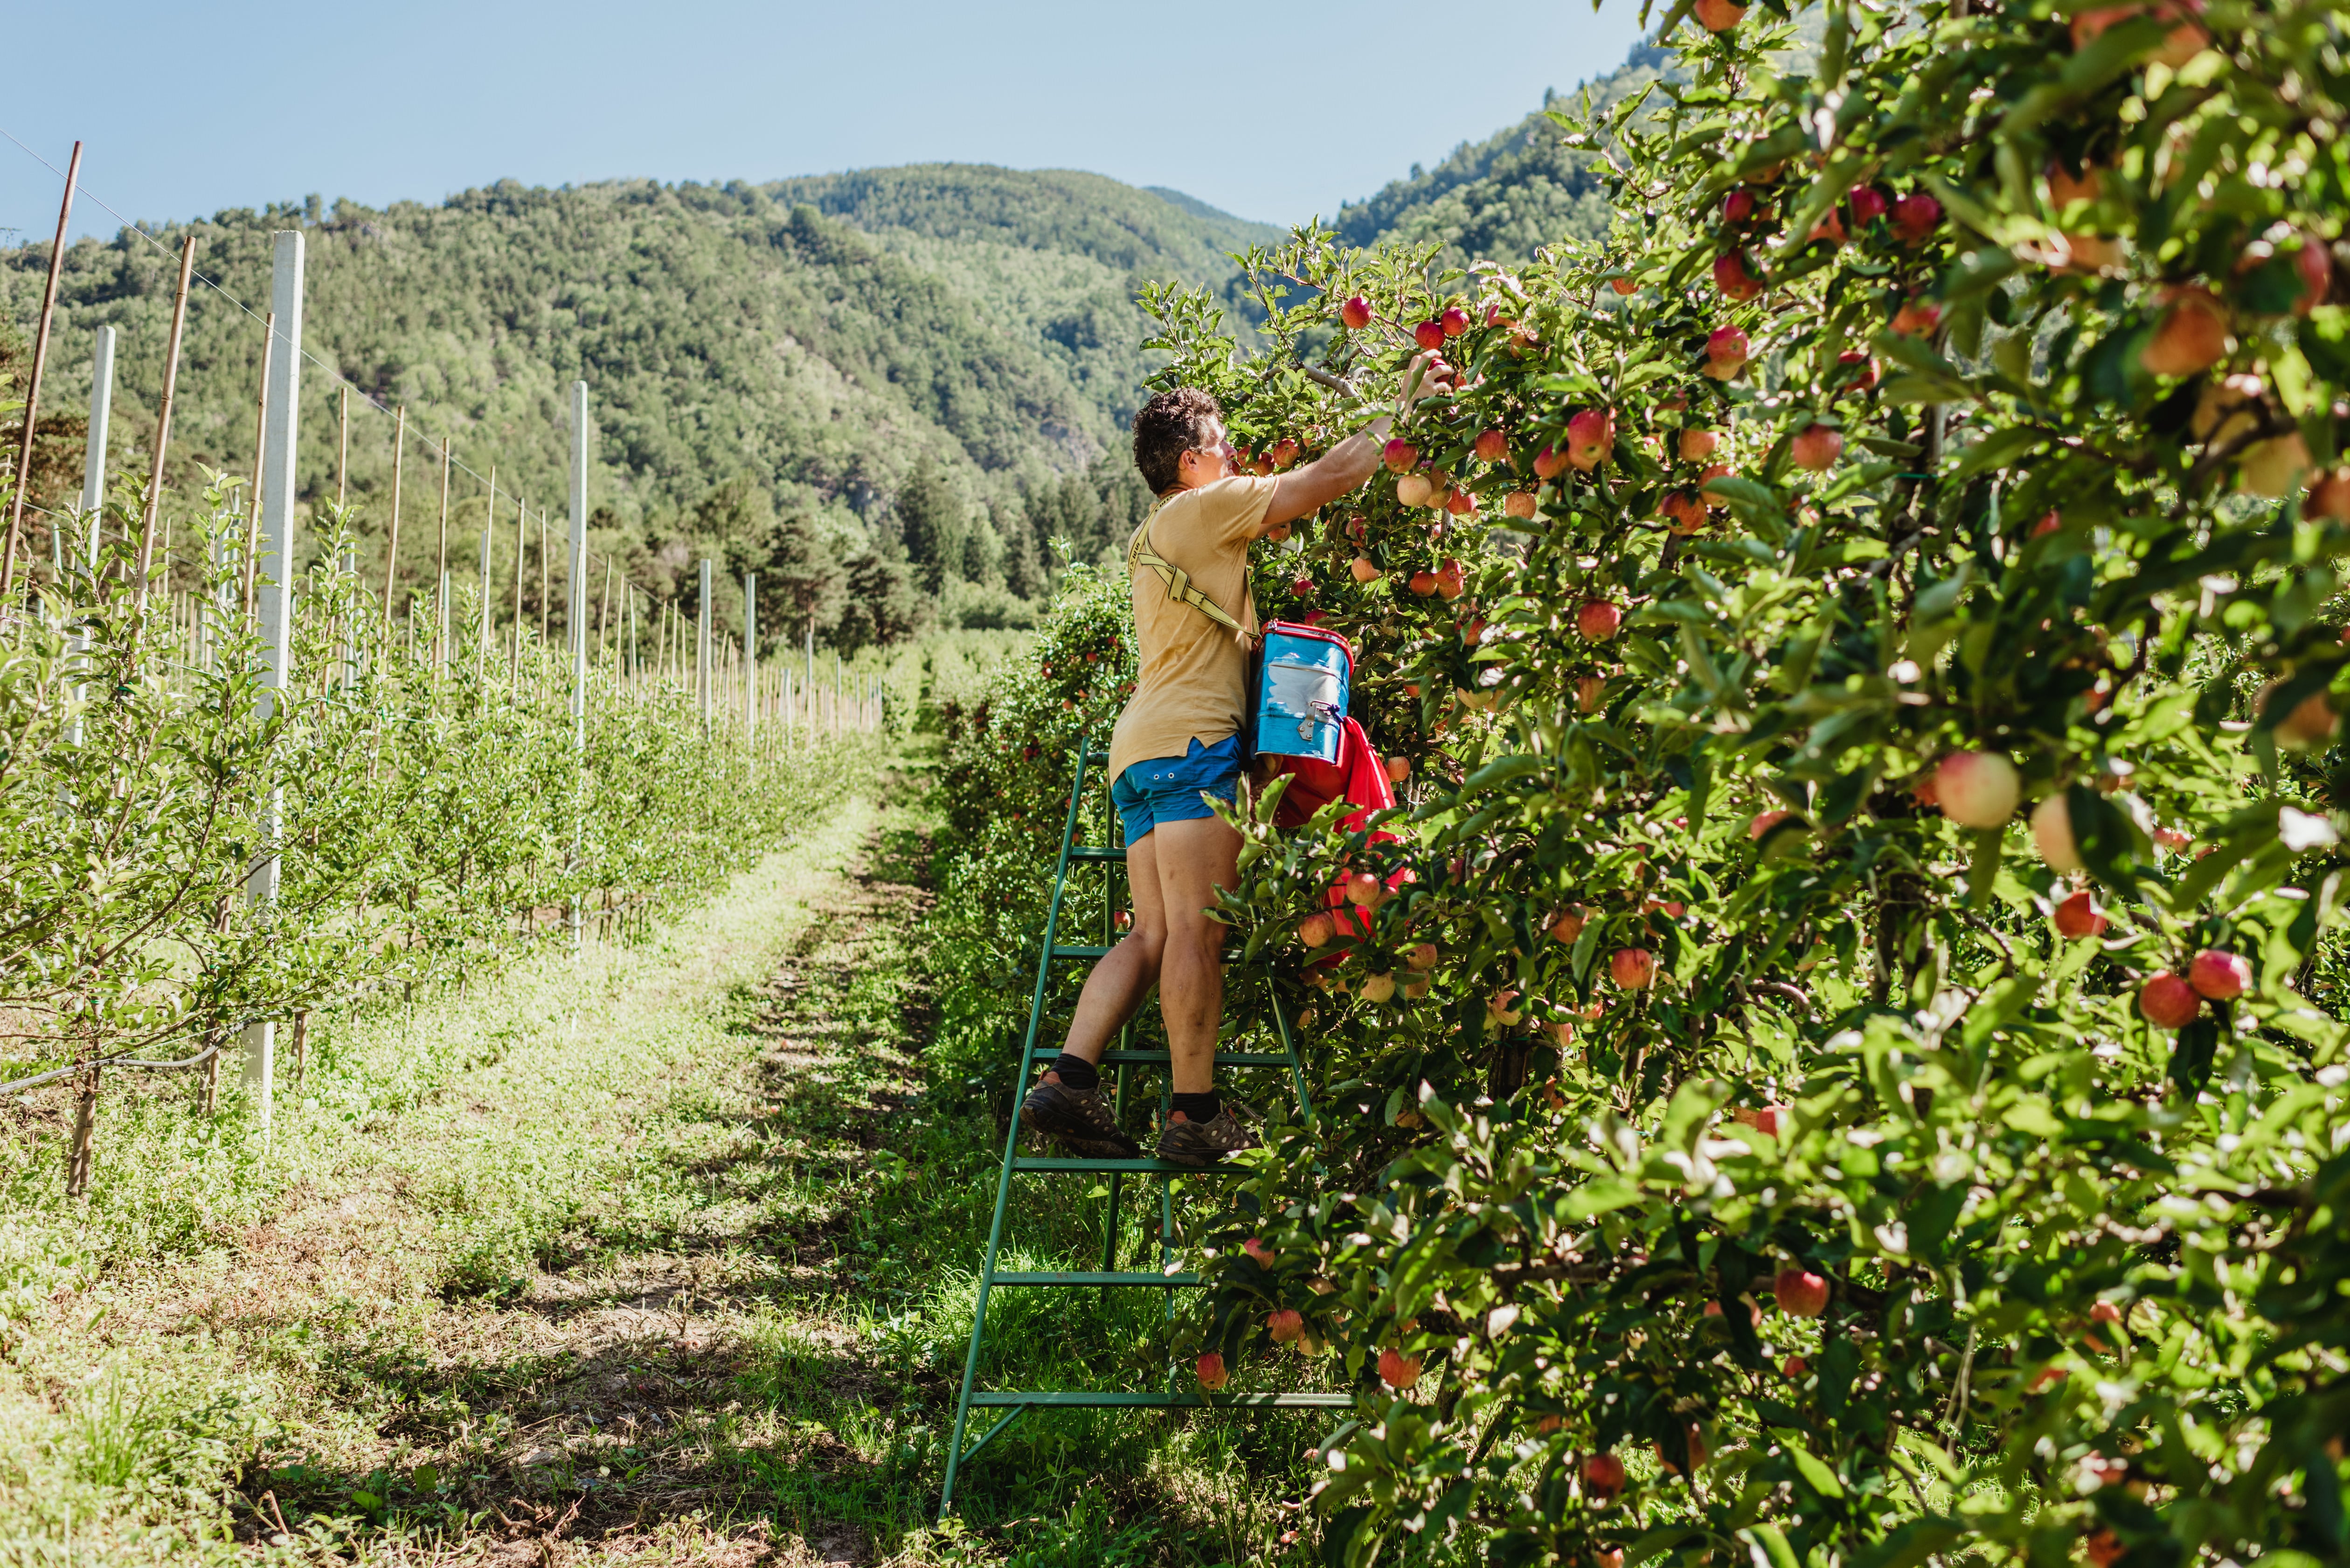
1172 789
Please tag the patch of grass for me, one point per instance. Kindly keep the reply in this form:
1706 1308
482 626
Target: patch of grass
663 1253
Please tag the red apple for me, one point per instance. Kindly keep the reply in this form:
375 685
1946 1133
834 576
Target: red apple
1738 206
1697 443
2048 524
2329 495
1365 890
1865 380
1414 490
1397 1370
1519 503
1399 768
2270 467
1451 580
2191 337
1816 448
1212 1373
1830 228
1316 930
1501 1007
1684 510
1634 969
1428 335
1764 821
1287 1325
1717 15
1284 453
1868 204
1795 1369
1799 1294
1916 318
1355 313
1599 621
1566 925
1590 691
1770 1119
1453 322
1589 436
2104 1312
2223 977
1302 586
1366 570
1459 502
1492 446
1726 349
2102 1548
1255 1248
1548 464
1401 456
2077 915
2169 1001
1423 583
1736 281
2052 834
2316 270
1603 1476
1623 285
1916 216
1977 789
1377 988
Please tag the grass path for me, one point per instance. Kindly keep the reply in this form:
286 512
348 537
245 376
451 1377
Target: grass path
659 1255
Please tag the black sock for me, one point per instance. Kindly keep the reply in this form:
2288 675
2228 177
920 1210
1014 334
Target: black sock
1076 1071
1200 1108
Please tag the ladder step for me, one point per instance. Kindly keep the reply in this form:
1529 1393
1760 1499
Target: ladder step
1130 1166
1223 1058
1097 759
1062 952
1095 852
1103 1399
1165 1281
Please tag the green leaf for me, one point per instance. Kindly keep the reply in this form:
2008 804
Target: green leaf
1816 1474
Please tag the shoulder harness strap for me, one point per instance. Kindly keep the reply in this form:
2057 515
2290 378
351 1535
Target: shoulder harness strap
1179 582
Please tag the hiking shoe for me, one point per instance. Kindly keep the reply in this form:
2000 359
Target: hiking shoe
1079 1120
1199 1145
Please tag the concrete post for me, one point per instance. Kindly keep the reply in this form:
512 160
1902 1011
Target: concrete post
101 409
701 651
749 656
274 599
577 599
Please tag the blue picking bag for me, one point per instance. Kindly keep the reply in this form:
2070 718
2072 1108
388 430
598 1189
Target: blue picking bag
1299 687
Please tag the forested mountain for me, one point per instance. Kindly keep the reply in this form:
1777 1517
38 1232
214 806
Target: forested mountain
861 385
772 365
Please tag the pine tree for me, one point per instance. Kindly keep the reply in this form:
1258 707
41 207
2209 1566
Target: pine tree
930 515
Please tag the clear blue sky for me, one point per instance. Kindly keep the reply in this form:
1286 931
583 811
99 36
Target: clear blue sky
1272 112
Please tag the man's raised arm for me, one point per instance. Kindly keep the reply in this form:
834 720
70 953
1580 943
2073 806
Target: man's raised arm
1344 467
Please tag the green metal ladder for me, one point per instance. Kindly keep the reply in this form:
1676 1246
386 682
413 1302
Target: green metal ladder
1017 1403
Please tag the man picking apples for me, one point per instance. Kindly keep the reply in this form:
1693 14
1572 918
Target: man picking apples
1176 751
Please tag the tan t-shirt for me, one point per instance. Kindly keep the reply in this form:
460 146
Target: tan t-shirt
1193 671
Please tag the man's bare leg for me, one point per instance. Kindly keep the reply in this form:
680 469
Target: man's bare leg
1120 983
1195 858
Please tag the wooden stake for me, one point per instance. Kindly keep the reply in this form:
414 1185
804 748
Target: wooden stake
252 563
522 543
163 422
33 398
545 580
392 549
342 445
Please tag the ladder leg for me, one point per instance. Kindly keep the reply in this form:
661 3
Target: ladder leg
1109 1234
1011 1136
1289 1048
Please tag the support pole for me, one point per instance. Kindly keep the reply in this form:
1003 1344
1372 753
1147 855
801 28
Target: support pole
93 462
260 461
342 444
33 388
489 526
277 601
163 417
399 466
749 656
576 614
521 546
441 556
575 623
701 651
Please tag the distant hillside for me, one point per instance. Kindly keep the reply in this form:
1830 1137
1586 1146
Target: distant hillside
1501 198
803 347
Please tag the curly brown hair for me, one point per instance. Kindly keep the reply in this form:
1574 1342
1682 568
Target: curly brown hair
1167 426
